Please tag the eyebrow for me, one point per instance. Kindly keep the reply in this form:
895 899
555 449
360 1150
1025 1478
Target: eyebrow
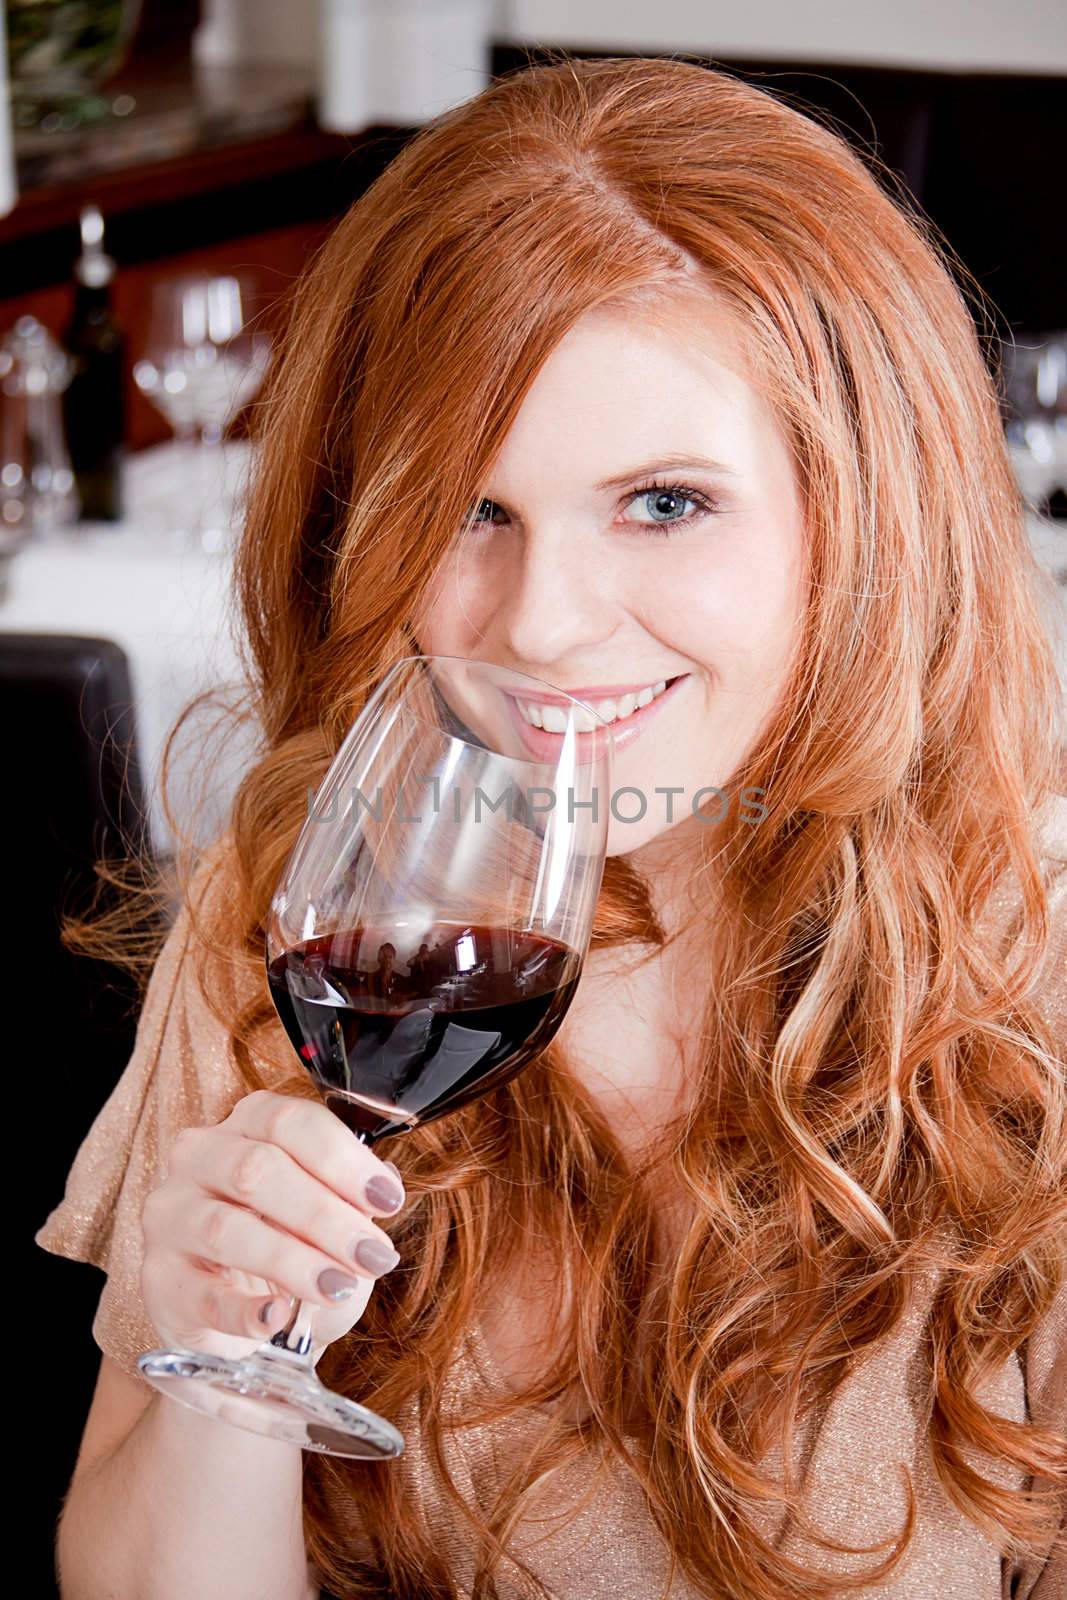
668 463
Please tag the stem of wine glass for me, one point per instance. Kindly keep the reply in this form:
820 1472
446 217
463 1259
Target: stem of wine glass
201 441
296 1337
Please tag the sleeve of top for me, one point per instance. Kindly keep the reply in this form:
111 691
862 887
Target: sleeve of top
181 1074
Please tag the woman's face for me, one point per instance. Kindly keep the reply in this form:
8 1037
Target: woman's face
640 524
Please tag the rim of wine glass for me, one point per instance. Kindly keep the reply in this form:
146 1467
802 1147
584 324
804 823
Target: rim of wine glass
493 666
605 756
253 299
344 749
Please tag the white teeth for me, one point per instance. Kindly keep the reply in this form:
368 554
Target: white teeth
553 719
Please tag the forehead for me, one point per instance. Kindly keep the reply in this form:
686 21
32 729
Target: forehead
652 374
691 312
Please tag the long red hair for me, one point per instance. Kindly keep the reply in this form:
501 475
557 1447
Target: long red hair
878 1094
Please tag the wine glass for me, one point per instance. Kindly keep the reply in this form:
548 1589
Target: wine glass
202 363
423 944
1034 410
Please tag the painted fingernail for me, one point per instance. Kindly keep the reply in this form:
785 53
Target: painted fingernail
383 1194
337 1284
376 1257
267 1311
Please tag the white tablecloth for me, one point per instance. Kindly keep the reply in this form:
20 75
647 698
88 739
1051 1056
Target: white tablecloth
166 601
168 606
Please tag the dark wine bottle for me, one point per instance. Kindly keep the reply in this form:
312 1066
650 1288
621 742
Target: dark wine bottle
94 401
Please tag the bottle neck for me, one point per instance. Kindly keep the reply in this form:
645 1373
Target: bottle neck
91 297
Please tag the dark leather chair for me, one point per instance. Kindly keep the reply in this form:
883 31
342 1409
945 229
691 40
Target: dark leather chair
73 794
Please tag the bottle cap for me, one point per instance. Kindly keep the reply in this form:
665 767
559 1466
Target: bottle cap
93 267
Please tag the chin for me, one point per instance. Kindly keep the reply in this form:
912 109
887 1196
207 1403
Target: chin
625 837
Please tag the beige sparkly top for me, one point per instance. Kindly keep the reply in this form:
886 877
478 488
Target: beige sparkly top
180 1075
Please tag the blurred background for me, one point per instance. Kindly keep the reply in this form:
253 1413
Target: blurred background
166 168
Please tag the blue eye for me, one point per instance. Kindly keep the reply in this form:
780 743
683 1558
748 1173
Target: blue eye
660 492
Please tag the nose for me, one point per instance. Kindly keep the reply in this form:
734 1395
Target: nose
559 603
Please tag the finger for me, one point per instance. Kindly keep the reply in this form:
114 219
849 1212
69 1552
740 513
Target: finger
266 1180
215 1230
206 1301
320 1143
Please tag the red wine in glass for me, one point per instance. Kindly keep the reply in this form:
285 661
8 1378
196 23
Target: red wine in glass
392 1054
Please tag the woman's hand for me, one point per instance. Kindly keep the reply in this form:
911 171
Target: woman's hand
276 1201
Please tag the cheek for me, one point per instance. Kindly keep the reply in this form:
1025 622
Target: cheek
449 612
738 615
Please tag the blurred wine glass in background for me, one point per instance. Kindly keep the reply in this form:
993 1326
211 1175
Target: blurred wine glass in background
38 493
1034 405
203 361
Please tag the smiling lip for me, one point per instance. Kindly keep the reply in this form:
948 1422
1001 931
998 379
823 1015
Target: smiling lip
598 691
545 746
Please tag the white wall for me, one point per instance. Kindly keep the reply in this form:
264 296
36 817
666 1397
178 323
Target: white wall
967 35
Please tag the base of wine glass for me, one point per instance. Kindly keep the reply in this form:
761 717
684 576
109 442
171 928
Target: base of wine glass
275 1394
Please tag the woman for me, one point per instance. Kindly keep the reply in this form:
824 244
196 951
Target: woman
623 373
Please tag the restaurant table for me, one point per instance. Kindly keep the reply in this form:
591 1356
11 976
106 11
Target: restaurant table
167 602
